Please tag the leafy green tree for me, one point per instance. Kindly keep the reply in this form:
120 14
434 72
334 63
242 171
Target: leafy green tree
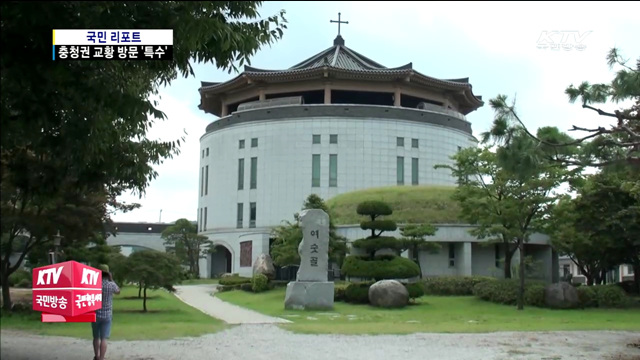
615 142
189 246
153 270
72 130
371 265
414 240
523 193
284 250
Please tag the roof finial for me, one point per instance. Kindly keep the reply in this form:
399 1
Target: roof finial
339 22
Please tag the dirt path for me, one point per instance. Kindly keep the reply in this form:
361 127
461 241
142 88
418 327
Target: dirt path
267 342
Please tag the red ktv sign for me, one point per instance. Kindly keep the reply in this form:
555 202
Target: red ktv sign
67 292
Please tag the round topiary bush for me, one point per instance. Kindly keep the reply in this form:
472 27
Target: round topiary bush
611 296
415 290
587 296
339 292
381 268
24 283
357 293
259 283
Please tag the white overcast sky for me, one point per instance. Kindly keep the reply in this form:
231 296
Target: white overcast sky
494 44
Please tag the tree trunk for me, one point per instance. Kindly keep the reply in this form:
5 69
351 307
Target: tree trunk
589 279
6 295
636 276
416 258
522 273
508 256
139 289
144 301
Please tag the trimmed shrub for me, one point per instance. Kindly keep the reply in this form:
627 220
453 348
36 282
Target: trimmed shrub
223 288
380 268
382 242
357 293
453 285
234 280
18 276
339 292
587 296
415 290
534 295
611 296
24 283
506 291
274 284
259 283
629 287
245 287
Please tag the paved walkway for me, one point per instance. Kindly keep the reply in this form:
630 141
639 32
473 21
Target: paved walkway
199 296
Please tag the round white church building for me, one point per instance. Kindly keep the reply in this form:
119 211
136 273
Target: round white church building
334 123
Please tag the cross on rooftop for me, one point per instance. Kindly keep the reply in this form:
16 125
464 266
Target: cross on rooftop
339 22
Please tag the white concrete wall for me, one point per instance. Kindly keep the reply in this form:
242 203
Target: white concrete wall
366 150
484 261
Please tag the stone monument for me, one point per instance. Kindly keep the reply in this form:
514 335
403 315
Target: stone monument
311 290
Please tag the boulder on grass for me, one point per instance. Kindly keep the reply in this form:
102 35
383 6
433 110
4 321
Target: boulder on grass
264 265
561 296
388 294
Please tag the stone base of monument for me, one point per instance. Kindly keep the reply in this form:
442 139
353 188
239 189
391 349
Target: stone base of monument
303 295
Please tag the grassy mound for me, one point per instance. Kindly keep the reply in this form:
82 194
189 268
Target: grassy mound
410 204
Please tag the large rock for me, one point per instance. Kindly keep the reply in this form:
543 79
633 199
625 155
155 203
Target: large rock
388 294
309 295
561 295
264 265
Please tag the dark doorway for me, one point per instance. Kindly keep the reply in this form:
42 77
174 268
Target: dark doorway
221 261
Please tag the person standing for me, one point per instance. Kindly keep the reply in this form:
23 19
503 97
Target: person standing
102 327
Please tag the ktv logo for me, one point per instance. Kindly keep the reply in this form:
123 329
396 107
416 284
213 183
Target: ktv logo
67 292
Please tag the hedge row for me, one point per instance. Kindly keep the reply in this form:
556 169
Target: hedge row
453 285
234 280
358 293
506 292
603 296
20 278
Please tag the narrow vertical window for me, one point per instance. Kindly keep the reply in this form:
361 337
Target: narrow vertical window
240 174
254 142
333 170
333 139
199 219
415 171
414 143
315 170
206 180
240 214
241 144
400 141
254 173
316 139
205 219
201 181
400 170
252 215
497 255
207 151
452 254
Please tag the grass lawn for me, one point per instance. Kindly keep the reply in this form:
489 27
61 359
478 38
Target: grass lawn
167 318
199 281
410 204
464 314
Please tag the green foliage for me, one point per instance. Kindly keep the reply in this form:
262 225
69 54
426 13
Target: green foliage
187 245
74 145
380 268
339 292
587 296
153 270
453 285
415 290
505 291
20 276
259 283
373 209
414 240
611 296
357 293
24 283
534 295
629 287
246 287
234 280
382 242
288 236
382 225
